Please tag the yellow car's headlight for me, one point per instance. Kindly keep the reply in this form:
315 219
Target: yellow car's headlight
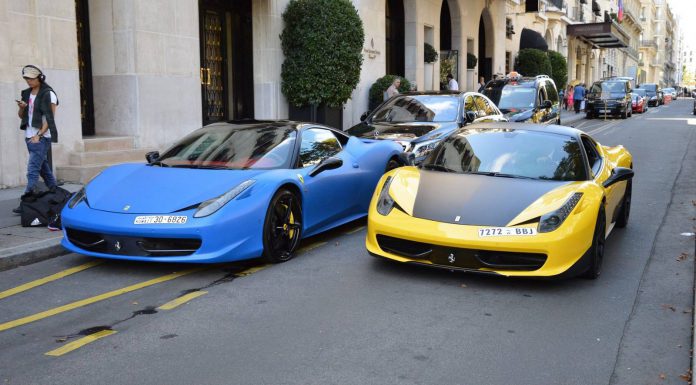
553 220
385 203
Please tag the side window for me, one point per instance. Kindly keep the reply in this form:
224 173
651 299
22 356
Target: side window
593 157
469 105
485 106
317 145
552 93
542 94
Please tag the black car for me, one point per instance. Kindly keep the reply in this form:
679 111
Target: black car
655 95
611 96
526 99
419 120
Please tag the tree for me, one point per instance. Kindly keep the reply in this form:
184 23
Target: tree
532 62
559 69
322 42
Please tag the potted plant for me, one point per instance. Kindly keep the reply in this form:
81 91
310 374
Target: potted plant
471 61
430 56
322 42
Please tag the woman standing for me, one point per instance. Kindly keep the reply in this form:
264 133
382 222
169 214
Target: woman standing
569 98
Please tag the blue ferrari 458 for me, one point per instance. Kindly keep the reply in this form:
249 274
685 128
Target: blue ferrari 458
229 192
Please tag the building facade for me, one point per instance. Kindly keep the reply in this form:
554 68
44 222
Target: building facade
147 72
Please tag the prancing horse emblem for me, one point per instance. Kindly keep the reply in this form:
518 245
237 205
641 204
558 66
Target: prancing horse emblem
451 258
117 246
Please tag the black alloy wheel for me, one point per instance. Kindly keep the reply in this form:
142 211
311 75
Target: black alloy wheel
282 229
596 251
625 210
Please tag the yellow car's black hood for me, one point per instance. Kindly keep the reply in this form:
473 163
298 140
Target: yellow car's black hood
476 199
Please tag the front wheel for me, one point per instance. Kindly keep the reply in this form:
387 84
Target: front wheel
282 227
596 251
392 164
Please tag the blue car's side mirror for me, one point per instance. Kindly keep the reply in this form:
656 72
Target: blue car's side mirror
326 164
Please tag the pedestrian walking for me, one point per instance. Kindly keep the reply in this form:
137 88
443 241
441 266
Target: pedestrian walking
36 109
578 97
393 89
452 84
561 95
569 98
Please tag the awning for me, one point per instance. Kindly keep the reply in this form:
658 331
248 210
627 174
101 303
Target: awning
530 38
599 35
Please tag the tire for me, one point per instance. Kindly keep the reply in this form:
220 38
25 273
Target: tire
392 164
625 210
596 251
281 229
624 114
588 115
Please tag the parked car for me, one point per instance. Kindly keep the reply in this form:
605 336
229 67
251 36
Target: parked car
526 99
228 192
641 92
419 120
694 95
654 93
505 199
638 103
610 96
670 91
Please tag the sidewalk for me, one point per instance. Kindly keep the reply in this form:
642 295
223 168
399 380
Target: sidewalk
570 117
24 245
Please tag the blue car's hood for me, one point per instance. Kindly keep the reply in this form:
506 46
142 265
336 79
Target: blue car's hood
158 190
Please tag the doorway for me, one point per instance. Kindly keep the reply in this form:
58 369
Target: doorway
84 63
395 35
485 62
227 72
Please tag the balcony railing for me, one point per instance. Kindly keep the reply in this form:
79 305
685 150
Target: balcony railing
648 43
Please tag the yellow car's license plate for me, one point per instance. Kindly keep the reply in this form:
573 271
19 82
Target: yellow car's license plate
506 231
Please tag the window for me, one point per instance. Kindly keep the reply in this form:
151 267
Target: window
508 60
552 93
317 145
484 107
593 157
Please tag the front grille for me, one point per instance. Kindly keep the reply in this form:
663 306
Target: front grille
462 258
135 246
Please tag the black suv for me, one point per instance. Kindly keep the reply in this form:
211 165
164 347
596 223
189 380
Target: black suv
655 95
526 99
610 96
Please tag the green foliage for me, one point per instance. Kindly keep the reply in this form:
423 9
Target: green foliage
471 61
381 85
559 69
532 62
322 42
430 53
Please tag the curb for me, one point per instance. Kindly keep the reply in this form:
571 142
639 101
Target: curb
27 254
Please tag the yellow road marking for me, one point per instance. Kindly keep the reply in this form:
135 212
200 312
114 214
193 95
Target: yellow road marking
181 300
251 270
355 230
50 278
311 246
91 300
67 348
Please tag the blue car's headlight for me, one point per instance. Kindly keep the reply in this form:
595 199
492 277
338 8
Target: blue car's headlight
424 148
551 221
212 205
385 203
78 197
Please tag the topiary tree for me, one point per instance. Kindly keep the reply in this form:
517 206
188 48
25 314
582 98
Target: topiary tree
532 62
430 55
471 61
380 86
322 42
559 69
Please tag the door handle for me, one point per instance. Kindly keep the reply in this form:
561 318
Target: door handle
205 80
202 75
355 165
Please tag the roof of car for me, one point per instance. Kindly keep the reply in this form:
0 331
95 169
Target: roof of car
252 123
551 128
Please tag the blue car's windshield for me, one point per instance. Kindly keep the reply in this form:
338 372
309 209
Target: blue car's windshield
419 108
233 148
509 153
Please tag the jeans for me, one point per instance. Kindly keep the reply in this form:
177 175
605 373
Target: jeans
38 164
577 105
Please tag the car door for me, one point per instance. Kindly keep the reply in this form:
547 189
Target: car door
328 195
552 95
601 170
486 110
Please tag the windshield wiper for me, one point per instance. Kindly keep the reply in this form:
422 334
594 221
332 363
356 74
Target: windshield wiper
500 174
197 166
438 167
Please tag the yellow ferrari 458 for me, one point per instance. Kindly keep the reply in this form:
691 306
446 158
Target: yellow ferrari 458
507 199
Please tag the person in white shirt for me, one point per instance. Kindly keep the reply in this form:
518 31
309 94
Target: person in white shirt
452 84
37 108
393 89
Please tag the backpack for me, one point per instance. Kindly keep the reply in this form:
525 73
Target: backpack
43 208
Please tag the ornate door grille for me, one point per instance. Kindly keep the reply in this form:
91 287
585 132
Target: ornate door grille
213 65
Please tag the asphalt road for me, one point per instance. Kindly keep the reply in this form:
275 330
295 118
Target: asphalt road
335 315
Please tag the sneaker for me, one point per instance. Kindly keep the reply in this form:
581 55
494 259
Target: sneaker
53 228
17 210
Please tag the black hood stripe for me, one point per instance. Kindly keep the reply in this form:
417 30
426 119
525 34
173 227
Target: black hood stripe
477 199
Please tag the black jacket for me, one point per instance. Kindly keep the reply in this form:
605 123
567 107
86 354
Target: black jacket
42 107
